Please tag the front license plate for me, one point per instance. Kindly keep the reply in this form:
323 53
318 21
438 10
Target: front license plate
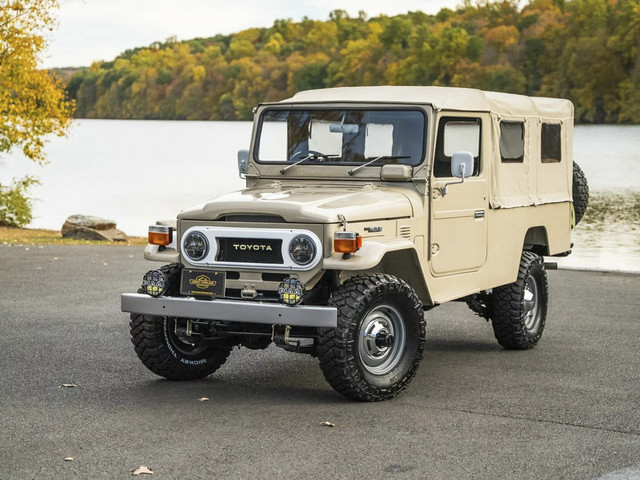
199 282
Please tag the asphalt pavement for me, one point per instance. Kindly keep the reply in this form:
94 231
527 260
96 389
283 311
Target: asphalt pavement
569 408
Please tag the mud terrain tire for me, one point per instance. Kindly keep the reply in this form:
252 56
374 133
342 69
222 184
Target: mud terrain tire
162 352
580 193
377 346
519 309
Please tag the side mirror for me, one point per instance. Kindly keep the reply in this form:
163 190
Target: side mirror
462 165
243 162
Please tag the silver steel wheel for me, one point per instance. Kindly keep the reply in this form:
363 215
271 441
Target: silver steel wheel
381 340
531 314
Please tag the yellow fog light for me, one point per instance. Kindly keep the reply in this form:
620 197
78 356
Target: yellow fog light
291 291
154 283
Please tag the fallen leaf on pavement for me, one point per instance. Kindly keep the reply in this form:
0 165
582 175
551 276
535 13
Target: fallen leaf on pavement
142 470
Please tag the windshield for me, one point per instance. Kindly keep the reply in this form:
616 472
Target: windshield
341 136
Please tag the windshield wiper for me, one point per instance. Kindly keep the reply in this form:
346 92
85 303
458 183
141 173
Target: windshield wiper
383 157
310 154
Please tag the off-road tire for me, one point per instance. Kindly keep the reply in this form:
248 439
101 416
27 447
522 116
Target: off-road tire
162 352
519 309
366 303
580 193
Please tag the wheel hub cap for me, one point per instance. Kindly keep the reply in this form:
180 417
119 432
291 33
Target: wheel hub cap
530 303
382 340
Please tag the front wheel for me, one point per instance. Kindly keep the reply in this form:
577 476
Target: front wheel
519 309
377 346
166 354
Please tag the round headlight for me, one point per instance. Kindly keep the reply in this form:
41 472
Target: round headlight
195 246
154 283
302 250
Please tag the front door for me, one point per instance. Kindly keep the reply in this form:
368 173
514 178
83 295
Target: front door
458 233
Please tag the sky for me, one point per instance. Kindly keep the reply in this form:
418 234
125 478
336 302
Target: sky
92 30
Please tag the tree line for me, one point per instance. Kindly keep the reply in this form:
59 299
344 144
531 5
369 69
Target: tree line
587 51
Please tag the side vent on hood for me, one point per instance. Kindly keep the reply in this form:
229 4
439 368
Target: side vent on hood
405 231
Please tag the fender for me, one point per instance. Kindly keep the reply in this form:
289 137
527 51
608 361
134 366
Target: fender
397 257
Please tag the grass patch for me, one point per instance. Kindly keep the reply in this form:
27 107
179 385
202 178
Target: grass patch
608 208
34 236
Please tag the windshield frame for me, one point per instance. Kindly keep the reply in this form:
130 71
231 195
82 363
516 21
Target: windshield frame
341 108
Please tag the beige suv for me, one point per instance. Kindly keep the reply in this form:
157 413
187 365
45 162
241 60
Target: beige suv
365 207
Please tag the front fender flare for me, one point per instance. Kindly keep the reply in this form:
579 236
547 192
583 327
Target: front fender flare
397 257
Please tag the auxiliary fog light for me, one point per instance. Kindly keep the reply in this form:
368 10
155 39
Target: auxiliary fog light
154 283
291 291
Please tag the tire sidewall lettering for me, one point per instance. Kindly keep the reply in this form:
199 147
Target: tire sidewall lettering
165 332
181 358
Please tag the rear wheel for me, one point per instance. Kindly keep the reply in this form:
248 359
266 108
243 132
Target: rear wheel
376 349
519 309
165 353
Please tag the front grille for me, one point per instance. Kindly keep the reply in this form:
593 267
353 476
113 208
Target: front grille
250 250
274 277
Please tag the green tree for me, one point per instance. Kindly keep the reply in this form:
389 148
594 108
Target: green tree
585 50
32 102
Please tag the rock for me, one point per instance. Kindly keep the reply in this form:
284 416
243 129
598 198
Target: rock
86 227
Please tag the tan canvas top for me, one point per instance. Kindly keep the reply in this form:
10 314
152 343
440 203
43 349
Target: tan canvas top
443 98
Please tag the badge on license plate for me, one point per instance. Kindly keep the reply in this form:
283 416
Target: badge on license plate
199 282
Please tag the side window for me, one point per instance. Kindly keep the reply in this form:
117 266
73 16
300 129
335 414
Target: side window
456 134
551 143
512 142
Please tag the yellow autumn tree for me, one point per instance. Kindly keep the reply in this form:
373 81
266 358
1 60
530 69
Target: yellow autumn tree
32 102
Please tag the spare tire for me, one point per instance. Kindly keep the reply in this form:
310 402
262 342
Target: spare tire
580 193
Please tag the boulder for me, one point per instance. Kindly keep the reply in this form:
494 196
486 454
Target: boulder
86 227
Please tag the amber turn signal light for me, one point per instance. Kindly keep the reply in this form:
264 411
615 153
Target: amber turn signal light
347 242
160 235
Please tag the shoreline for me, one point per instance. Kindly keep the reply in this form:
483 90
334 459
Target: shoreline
40 236
11 236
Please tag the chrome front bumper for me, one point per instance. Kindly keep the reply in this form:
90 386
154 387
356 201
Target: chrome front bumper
231 310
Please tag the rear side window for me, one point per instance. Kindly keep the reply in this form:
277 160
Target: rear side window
456 134
551 147
512 142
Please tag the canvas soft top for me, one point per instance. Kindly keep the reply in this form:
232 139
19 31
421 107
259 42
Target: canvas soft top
443 98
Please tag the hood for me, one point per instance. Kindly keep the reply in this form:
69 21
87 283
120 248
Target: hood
311 204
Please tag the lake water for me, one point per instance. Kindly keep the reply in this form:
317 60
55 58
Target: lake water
136 172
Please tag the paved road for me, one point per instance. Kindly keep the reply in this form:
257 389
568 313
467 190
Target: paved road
567 409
